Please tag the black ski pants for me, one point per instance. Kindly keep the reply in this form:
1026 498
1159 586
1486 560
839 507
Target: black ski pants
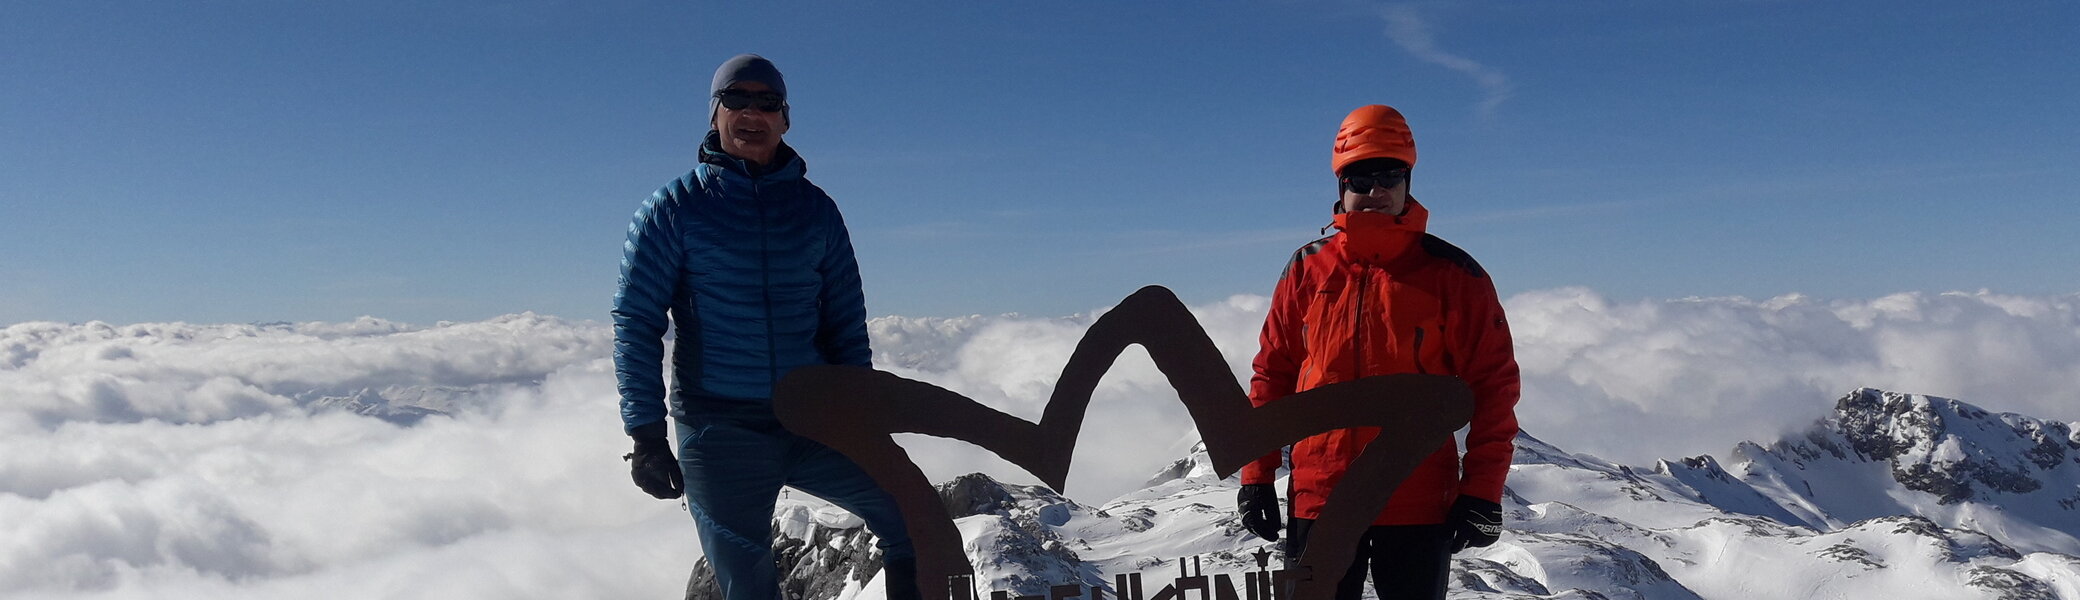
1408 562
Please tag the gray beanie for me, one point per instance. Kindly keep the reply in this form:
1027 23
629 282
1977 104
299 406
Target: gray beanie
745 67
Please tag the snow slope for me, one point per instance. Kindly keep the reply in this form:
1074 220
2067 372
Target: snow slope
1889 495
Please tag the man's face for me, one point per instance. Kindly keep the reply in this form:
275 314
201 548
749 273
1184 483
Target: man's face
749 133
1381 199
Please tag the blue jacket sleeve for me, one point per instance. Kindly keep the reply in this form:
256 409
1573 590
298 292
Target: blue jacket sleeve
841 333
650 265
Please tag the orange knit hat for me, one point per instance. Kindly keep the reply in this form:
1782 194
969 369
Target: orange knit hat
1374 131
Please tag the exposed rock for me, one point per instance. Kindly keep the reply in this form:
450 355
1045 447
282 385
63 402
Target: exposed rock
1602 569
2010 585
1922 438
1177 469
822 565
1843 552
975 494
816 568
1482 575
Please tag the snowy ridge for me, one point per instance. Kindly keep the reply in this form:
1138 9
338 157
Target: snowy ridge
2010 475
1889 495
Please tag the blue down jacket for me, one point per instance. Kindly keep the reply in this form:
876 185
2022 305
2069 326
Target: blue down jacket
755 268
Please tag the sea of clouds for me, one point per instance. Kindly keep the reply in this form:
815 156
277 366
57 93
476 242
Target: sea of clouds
230 461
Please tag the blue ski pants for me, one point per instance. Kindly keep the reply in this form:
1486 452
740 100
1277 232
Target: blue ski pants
734 469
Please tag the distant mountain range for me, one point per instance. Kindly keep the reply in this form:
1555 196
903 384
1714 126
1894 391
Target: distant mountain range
1892 496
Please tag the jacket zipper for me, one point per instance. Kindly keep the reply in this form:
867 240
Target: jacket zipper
765 279
1358 322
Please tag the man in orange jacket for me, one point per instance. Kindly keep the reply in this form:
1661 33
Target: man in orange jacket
1382 297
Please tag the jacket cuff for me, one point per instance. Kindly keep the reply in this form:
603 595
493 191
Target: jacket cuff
1262 470
1491 492
654 430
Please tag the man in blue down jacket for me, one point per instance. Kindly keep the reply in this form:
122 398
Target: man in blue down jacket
753 265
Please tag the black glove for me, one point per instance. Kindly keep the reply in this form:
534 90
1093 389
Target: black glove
1475 523
1258 504
652 464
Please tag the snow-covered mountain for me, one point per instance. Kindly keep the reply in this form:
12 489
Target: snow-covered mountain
1888 496
402 405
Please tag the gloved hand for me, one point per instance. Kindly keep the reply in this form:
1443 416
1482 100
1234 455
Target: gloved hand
1258 504
652 464
1475 523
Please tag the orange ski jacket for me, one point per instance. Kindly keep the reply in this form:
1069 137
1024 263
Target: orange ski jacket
1416 305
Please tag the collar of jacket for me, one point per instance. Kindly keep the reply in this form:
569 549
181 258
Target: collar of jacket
1382 241
786 164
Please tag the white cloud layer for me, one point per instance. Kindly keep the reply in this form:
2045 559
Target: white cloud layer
1653 379
177 460
182 461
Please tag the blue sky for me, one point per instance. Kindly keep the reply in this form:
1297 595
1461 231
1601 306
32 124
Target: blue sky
423 161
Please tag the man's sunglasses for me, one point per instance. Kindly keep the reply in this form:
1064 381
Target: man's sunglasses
1362 183
739 99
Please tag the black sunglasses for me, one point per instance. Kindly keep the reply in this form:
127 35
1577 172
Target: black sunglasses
739 99
1362 183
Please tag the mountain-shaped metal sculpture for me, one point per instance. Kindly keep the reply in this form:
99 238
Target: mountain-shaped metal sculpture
857 411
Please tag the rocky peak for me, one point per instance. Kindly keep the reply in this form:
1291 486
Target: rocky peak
368 402
1196 463
979 494
818 557
975 494
1881 425
1533 451
1945 447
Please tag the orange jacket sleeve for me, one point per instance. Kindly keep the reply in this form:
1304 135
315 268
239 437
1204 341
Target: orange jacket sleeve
1488 364
1277 366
